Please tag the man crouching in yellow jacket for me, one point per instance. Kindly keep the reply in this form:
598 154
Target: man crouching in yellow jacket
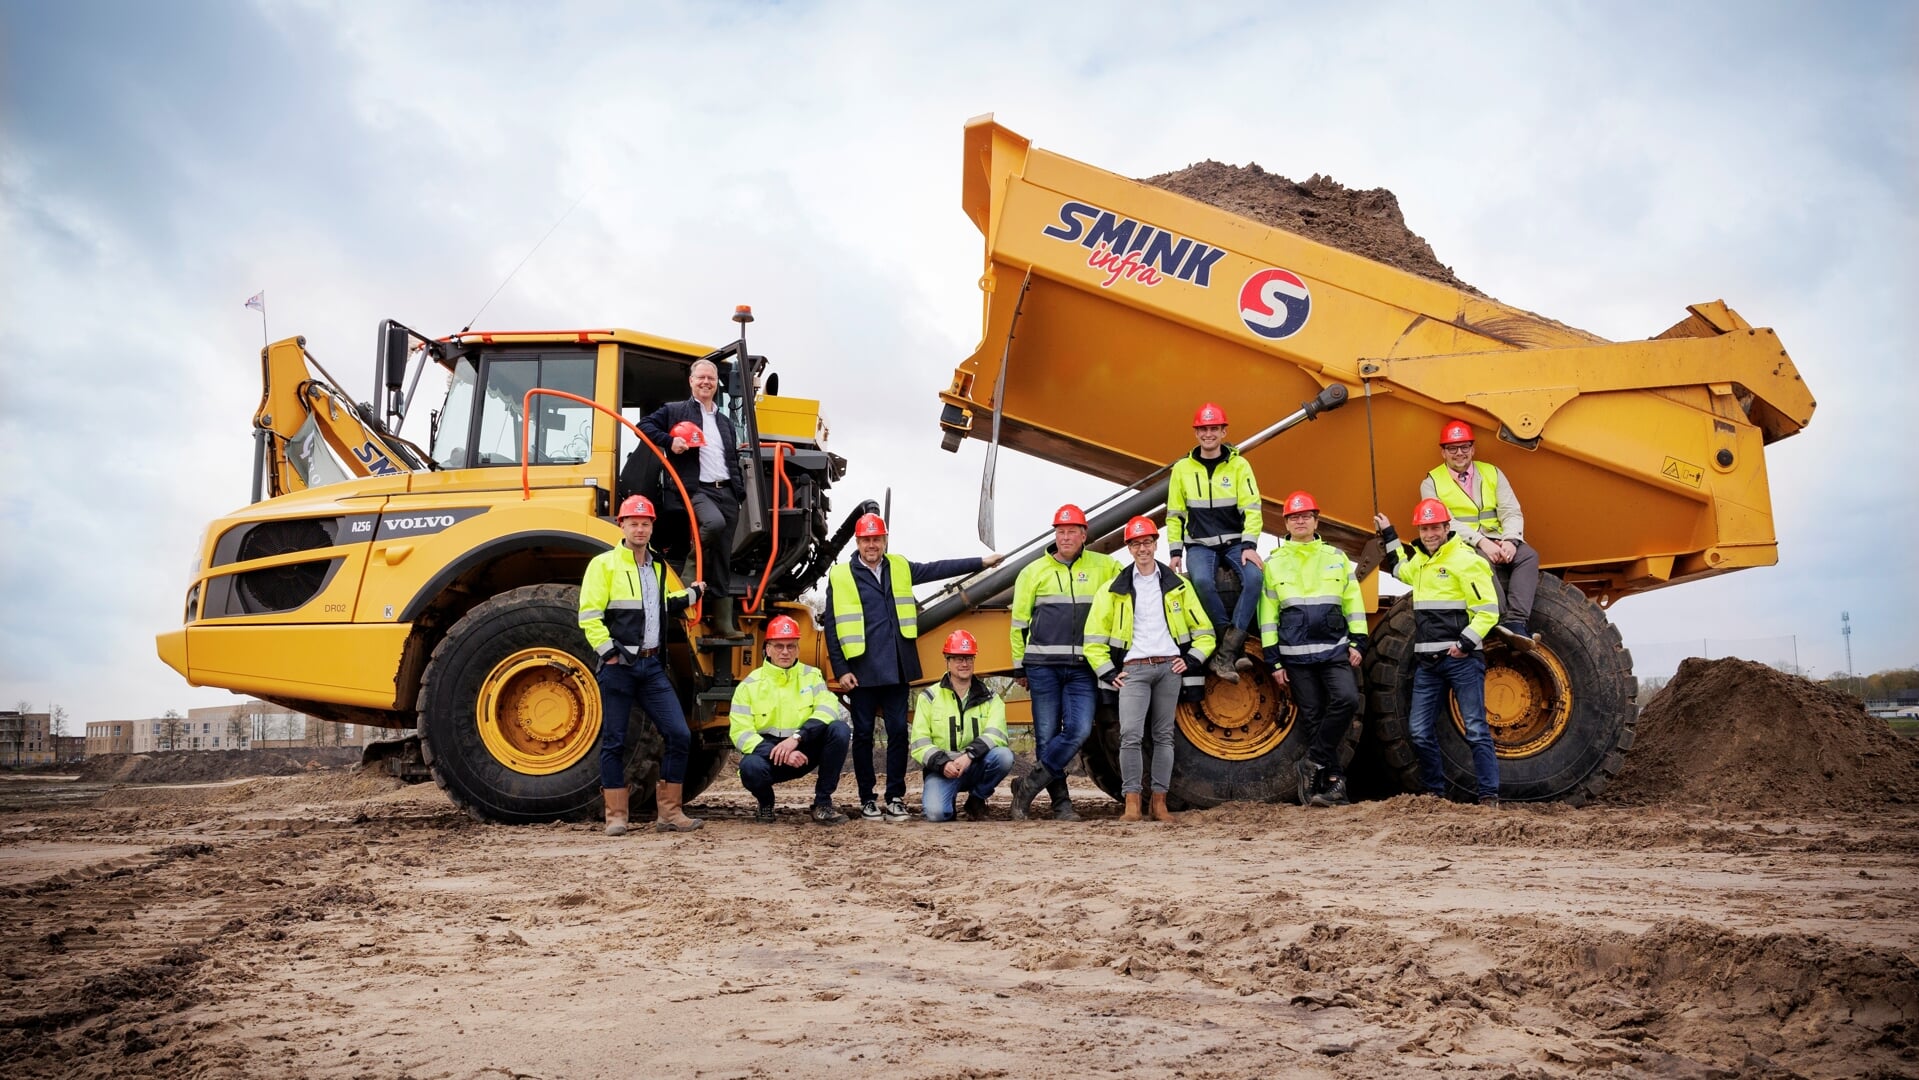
785 724
959 736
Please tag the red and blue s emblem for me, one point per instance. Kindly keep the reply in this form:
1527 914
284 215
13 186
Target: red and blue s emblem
1275 303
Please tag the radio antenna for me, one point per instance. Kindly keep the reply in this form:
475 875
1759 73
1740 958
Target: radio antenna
523 260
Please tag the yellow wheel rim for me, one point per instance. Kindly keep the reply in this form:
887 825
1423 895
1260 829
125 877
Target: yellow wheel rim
1528 702
1238 721
539 711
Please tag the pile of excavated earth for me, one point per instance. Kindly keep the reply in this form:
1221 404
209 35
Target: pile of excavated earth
1365 222
1738 734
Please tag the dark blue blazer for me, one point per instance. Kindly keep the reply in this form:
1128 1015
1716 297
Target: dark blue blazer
658 426
889 659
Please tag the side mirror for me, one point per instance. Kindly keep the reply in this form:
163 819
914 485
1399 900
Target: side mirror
389 364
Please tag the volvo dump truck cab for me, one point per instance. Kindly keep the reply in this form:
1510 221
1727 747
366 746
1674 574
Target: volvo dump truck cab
434 590
1112 307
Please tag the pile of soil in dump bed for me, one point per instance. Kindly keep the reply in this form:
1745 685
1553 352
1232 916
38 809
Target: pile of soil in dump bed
194 766
1737 733
1367 223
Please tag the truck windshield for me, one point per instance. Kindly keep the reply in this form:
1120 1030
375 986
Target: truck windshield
455 422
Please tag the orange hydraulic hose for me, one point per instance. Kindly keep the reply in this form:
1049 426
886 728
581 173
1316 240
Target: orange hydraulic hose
526 487
780 450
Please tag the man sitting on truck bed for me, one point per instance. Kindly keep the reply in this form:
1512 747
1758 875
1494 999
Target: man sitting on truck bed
1213 516
1486 515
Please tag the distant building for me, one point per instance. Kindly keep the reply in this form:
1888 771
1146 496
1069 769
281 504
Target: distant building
113 736
69 748
24 738
256 724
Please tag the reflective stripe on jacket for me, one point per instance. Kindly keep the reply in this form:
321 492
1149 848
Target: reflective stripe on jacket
1454 602
1212 511
612 613
774 702
1109 629
1478 510
848 617
1310 609
1051 601
944 727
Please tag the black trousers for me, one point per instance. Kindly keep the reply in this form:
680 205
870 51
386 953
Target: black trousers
716 511
1327 695
825 750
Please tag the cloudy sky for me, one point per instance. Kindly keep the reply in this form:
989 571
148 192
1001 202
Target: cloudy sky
1604 164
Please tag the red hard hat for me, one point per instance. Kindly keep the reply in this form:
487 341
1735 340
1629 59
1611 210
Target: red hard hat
1209 415
1431 512
690 431
1299 502
782 628
869 525
635 506
1140 526
1455 431
1069 515
960 643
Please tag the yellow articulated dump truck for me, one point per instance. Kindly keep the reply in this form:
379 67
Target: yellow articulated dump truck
435 590
1112 308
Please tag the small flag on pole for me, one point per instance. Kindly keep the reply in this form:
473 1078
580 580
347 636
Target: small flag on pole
258 301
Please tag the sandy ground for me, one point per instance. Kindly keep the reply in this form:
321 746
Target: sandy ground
338 925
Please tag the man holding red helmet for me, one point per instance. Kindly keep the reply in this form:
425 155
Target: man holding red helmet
786 723
625 597
871 621
698 438
959 736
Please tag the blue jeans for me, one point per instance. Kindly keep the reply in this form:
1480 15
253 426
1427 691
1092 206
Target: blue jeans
825 750
1466 677
1063 701
980 778
889 702
1200 566
644 681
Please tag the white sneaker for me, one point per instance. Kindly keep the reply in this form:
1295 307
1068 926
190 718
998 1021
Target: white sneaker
869 810
896 810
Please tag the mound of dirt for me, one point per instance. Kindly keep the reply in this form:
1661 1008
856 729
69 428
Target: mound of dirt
1735 733
194 766
1364 222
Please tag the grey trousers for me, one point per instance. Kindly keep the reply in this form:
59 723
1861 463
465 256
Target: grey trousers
1151 693
1518 582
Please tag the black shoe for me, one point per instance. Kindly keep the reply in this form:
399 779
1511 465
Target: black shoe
827 814
763 816
870 809
975 808
895 810
1308 780
1063 811
1028 789
1334 793
1489 800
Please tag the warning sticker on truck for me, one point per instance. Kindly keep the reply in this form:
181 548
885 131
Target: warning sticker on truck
1675 469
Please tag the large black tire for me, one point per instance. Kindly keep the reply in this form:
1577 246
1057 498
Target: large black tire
1562 716
536 619
1201 778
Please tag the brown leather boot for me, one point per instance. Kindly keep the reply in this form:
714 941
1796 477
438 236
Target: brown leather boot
1132 807
670 819
615 810
1160 812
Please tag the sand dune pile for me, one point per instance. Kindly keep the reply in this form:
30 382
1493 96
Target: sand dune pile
1735 733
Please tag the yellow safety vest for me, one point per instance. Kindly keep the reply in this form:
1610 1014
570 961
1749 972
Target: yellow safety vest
1483 517
849 620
